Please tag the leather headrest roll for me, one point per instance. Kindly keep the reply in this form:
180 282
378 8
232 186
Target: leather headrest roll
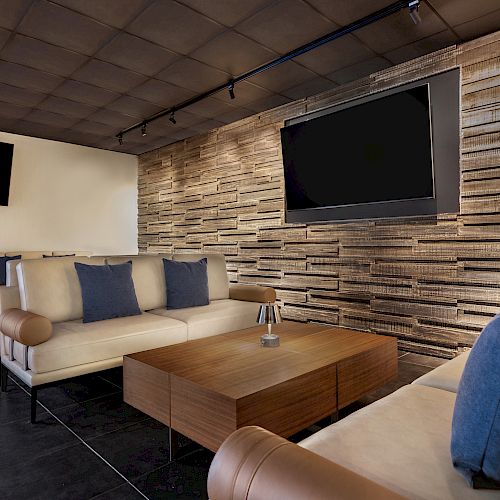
26 328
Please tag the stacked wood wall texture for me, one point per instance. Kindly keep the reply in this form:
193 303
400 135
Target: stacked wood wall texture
432 282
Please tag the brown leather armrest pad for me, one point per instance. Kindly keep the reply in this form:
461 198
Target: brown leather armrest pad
255 464
25 327
252 293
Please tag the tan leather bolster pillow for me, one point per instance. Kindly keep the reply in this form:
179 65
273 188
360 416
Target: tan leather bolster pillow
255 464
252 293
25 327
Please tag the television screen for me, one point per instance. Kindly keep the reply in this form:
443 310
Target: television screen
6 151
377 151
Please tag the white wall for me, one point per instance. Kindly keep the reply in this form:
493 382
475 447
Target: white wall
68 197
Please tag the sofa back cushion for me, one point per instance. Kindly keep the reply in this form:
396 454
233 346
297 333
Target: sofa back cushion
475 435
149 279
50 287
218 281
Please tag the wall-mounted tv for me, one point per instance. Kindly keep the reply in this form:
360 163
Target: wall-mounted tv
6 152
391 154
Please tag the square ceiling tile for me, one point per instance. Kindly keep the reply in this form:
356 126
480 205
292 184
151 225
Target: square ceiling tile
117 13
268 103
83 92
456 12
227 12
108 76
97 128
334 55
244 92
28 78
193 75
398 30
12 12
9 124
234 115
233 53
136 54
53 119
40 130
283 76
421 47
81 138
480 26
185 119
276 27
4 36
22 97
41 55
174 26
66 107
309 88
209 108
60 26
109 117
344 13
161 93
207 125
8 110
134 107
359 70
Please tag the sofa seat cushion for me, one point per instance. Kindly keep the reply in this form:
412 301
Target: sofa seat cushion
401 442
447 376
220 316
75 343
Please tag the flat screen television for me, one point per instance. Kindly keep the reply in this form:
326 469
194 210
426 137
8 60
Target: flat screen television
381 156
6 152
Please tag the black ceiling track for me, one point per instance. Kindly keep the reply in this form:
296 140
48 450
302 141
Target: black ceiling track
412 5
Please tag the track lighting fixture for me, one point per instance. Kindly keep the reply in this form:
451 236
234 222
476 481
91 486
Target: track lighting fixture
398 5
413 7
120 139
143 130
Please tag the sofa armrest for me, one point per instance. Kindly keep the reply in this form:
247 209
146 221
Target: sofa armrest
252 293
24 327
9 298
255 464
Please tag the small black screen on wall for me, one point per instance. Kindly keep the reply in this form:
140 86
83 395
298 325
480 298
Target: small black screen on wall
378 151
6 151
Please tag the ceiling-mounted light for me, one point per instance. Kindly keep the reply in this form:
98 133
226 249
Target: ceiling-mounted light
120 139
231 90
413 7
172 118
143 129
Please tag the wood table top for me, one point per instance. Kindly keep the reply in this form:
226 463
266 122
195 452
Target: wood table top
236 365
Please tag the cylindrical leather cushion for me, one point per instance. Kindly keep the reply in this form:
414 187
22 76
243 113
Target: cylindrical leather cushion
25 327
252 293
255 464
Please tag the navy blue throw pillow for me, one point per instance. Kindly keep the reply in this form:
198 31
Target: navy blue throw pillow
107 291
187 283
3 267
475 430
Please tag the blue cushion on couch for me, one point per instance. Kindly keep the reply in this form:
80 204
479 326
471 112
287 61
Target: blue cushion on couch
187 283
475 435
3 267
107 291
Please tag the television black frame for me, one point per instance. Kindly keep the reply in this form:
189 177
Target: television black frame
444 103
6 149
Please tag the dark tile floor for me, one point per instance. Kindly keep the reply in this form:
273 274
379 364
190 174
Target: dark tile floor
87 443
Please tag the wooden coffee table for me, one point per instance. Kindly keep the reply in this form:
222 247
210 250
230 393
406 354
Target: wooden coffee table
205 389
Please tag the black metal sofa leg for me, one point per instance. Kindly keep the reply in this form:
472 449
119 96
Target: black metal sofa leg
4 372
34 394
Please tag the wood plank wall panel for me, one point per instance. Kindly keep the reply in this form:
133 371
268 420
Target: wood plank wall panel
432 282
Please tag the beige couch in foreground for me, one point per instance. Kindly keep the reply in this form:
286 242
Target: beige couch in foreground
65 347
398 446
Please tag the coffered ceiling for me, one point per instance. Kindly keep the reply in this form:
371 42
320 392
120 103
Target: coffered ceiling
80 70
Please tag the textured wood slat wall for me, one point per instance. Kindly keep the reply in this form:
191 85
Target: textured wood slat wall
432 282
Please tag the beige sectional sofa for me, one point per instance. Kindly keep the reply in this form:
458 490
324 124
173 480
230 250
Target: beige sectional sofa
50 288
400 443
